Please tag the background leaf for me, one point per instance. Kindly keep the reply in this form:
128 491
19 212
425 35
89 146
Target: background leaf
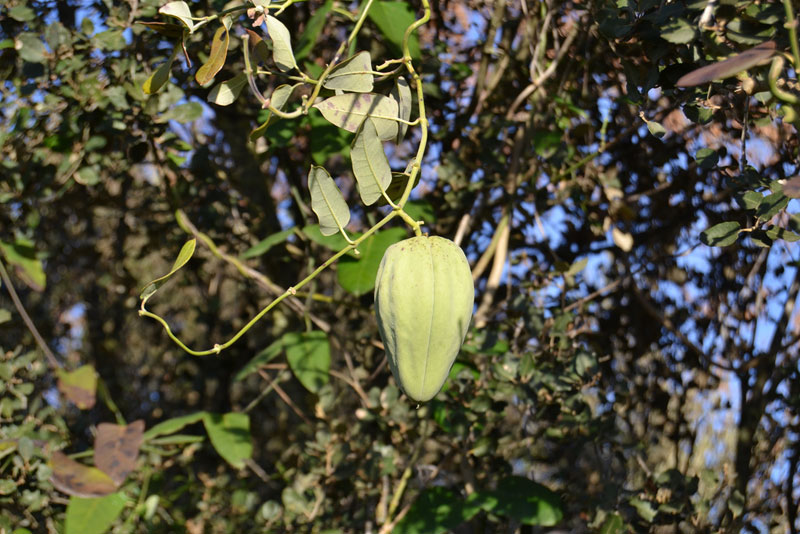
309 357
93 515
230 435
358 275
79 386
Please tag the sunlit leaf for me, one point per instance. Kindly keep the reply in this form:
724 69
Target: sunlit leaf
216 59
230 435
352 74
728 67
21 254
281 44
225 93
348 111
93 515
116 448
721 235
678 31
370 164
183 256
309 357
180 10
622 239
78 386
327 201
74 478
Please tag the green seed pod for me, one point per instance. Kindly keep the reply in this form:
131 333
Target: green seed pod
423 301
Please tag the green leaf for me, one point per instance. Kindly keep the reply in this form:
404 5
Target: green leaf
21 13
656 129
420 210
187 250
179 10
352 74
170 426
182 113
157 80
31 48
93 515
78 386
216 59
5 315
309 357
721 235
273 350
370 164
312 30
327 201
771 205
706 158
225 93
110 40
22 255
230 435
392 19
349 111
752 199
280 96
612 525
402 94
643 508
281 44
523 500
778 233
267 243
437 510
678 31
357 276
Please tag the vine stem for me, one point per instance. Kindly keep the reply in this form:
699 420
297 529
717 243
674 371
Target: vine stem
289 292
51 358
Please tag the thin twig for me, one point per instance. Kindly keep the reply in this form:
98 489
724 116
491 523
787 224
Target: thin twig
288 400
51 358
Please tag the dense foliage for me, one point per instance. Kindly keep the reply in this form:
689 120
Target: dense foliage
633 360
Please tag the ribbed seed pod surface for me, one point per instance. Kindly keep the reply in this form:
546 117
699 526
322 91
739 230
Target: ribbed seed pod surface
423 301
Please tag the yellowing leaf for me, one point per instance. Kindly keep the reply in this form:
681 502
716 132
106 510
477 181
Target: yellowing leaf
79 386
216 59
116 449
74 478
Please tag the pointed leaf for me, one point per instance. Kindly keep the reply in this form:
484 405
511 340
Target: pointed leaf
280 96
392 19
157 80
402 94
263 246
334 242
183 256
349 111
327 201
352 74
357 275
180 10
721 235
313 28
259 51
22 255
74 478
281 44
265 355
230 435
116 449
225 93
167 29
370 164
309 357
78 386
728 67
170 426
216 59
771 205
93 515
